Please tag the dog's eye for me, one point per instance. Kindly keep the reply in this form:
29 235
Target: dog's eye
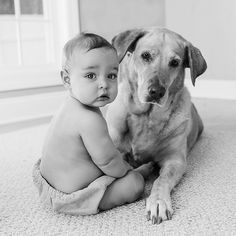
174 63
146 56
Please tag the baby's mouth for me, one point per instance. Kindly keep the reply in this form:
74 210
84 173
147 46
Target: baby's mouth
103 97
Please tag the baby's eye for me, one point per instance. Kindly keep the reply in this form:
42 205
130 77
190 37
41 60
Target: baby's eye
90 76
112 76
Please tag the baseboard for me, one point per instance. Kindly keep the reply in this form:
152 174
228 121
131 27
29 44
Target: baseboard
29 108
217 89
25 124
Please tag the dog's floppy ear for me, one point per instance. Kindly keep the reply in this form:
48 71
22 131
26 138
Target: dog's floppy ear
126 41
195 61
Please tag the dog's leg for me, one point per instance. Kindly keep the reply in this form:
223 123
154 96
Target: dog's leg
158 204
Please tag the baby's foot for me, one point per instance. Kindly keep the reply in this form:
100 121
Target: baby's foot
146 169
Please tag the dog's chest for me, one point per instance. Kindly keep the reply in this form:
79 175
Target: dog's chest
146 134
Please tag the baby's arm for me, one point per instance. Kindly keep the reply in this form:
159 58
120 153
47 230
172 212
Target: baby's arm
101 148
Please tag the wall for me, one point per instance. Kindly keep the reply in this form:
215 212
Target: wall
108 17
211 26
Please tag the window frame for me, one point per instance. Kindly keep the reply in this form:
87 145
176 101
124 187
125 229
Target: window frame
64 17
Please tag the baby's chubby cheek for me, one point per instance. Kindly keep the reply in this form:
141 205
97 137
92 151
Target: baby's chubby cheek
113 92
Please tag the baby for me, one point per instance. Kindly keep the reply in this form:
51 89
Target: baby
81 171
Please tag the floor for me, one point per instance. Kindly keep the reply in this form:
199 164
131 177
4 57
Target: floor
204 201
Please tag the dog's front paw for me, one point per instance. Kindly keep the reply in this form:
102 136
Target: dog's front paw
158 209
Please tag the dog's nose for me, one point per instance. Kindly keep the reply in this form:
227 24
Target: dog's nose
157 92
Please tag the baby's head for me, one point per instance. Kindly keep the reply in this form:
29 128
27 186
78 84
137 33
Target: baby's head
89 69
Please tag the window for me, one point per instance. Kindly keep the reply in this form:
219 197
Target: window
25 38
31 39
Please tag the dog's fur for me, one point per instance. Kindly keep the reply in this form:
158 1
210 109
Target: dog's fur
153 116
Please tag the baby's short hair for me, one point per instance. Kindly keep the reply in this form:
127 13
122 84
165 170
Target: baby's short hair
82 41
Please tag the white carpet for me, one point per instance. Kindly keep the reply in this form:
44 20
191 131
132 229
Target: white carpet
204 201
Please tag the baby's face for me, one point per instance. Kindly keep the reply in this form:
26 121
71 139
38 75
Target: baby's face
93 76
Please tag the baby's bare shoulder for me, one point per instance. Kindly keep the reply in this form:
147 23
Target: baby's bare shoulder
77 117
91 119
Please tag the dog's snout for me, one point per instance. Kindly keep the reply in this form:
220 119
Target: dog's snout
157 92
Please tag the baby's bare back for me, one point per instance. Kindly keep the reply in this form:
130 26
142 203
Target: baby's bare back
65 162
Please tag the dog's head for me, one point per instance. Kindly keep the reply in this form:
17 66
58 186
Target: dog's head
157 59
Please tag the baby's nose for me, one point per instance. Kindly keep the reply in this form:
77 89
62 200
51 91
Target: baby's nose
103 83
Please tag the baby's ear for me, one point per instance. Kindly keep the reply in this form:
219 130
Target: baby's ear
65 78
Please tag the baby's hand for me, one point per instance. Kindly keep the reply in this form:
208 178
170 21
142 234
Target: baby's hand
146 169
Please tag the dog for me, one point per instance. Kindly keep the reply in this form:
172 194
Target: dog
153 117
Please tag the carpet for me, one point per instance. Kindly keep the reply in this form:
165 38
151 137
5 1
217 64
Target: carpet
204 202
